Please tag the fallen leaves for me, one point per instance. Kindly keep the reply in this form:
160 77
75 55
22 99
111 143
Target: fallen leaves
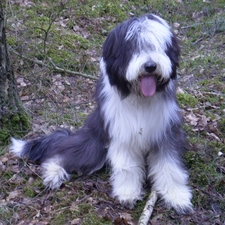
23 194
13 195
200 122
124 219
192 118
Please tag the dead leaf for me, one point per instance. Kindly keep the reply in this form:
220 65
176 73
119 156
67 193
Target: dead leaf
4 159
21 82
2 167
13 195
203 121
180 90
126 216
15 169
74 207
16 179
120 221
213 128
76 221
176 25
213 136
192 118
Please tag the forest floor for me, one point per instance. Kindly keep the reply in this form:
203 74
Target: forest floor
52 44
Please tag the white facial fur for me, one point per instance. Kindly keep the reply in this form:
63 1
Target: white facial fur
135 67
153 38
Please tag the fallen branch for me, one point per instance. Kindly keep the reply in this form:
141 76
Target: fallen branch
216 22
53 66
147 211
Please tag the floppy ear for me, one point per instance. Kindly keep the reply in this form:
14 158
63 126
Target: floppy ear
173 52
117 54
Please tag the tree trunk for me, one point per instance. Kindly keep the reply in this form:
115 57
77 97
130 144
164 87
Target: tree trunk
13 118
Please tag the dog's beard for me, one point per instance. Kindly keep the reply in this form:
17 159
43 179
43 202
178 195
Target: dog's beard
147 85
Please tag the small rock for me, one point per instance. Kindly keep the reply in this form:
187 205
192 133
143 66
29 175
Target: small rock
176 25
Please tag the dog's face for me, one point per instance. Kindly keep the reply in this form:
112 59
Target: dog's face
140 56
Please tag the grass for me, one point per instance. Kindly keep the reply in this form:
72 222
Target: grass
70 36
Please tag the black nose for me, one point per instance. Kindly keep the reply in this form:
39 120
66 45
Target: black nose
150 67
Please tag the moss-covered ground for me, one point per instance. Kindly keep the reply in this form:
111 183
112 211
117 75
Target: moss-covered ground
69 34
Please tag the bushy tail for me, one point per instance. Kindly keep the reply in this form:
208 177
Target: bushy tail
36 150
63 152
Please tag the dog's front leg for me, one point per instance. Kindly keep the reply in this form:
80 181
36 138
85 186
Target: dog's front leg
127 174
170 179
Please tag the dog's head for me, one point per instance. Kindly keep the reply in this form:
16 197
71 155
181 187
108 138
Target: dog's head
140 55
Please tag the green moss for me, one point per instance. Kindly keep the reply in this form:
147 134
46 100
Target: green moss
202 165
81 117
187 100
16 125
5 215
84 208
62 57
8 175
38 183
11 40
29 192
83 42
190 158
220 186
60 218
4 136
93 219
199 198
86 213
221 126
204 82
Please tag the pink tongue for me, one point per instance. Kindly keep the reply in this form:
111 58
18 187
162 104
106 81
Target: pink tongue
148 86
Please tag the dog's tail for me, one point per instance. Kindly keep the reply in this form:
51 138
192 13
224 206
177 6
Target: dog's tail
63 152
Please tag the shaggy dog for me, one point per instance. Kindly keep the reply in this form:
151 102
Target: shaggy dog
136 126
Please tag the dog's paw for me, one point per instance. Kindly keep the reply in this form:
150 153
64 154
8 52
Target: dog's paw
184 210
127 196
129 204
53 174
128 201
180 200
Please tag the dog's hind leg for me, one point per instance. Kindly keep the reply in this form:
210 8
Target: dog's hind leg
64 152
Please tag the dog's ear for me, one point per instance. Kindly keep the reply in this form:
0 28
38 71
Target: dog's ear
173 52
117 53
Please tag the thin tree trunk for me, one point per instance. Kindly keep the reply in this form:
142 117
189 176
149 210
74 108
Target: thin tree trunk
13 118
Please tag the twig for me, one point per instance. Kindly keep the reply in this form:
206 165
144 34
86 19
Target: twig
195 25
53 66
216 21
147 211
211 194
198 40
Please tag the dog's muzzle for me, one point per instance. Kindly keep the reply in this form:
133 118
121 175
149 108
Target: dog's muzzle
147 80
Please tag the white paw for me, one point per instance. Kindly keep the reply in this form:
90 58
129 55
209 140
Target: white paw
127 195
179 199
53 174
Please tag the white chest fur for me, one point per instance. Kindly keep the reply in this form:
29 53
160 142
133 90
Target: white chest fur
135 120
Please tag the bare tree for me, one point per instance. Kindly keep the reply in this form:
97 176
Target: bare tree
13 118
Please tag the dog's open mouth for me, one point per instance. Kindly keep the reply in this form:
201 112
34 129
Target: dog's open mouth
148 85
